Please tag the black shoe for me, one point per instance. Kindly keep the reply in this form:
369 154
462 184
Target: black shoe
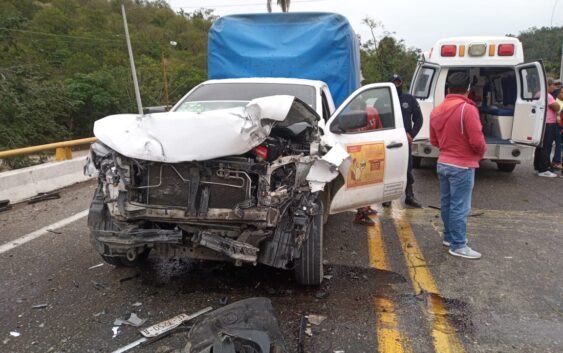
387 204
411 201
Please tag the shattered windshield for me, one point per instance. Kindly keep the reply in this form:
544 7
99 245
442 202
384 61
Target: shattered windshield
234 94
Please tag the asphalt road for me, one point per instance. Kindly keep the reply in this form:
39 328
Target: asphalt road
391 288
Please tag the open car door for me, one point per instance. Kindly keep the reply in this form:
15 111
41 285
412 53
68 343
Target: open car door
531 104
422 88
369 127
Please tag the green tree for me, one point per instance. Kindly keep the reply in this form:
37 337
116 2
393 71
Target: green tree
284 4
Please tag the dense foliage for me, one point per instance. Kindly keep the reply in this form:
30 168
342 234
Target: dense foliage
64 63
544 43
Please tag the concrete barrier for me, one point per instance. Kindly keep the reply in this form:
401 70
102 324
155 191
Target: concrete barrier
18 185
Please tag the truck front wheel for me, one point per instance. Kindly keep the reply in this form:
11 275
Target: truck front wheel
506 167
309 266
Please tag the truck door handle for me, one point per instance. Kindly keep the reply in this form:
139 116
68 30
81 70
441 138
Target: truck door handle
395 145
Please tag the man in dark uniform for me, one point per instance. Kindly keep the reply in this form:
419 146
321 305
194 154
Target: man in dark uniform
412 118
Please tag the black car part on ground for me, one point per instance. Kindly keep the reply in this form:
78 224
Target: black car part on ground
246 326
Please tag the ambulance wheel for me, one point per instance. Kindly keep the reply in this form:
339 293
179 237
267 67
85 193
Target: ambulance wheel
309 265
506 167
416 162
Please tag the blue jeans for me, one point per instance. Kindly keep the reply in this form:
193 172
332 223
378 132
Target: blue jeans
456 186
557 155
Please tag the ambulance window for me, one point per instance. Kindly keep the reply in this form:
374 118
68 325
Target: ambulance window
423 82
530 79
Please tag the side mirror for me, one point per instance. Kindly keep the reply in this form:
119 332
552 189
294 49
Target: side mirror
351 120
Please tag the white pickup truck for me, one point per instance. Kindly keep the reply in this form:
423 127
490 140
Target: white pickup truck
511 95
229 176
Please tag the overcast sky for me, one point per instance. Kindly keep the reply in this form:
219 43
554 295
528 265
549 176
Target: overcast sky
419 23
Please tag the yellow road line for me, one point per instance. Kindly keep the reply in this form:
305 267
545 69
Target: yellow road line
444 336
389 338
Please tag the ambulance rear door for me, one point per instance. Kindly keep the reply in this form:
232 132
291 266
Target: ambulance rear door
531 104
422 88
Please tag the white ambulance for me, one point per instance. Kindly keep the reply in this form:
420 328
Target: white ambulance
511 95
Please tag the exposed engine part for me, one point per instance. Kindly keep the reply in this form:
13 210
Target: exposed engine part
234 249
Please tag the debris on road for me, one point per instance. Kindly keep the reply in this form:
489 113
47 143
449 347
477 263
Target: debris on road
248 322
5 205
303 322
97 285
103 312
224 301
39 306
19 300
316 319
133 320
136 304
15 334
158 331
44 196
96 266
128 278
327 277
115 331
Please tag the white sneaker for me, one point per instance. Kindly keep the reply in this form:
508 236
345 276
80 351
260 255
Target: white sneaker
548 174
466 252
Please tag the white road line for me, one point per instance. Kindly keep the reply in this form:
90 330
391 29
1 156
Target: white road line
34 235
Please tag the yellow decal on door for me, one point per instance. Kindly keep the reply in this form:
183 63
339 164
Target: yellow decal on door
368 164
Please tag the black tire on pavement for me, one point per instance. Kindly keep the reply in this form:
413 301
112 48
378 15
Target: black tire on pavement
309 266
101 221
506 167
416 162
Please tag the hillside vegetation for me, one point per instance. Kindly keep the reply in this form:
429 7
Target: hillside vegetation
64 63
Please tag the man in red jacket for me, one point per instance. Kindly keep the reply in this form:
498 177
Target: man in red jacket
455 128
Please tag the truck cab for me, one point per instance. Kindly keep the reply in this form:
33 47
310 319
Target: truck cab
510 94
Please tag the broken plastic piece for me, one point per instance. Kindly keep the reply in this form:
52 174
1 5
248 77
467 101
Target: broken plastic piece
5 205
95 266
326 169
44 196
133 320
115 331
39 306
15 334
316 319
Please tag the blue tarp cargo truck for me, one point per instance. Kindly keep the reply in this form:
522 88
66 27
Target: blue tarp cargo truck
317 46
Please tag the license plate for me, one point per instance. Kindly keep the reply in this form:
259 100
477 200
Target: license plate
167 325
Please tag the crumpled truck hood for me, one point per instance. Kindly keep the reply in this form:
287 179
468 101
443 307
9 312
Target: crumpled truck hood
183 136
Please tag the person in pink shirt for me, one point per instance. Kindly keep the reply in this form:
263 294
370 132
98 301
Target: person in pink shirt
543 151
455 128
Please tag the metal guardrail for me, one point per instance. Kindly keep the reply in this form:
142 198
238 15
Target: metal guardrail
63 150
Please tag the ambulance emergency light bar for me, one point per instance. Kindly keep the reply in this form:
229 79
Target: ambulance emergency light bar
477 49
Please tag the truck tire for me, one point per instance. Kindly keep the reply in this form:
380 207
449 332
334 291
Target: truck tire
506 167
100 221
309 266
416 162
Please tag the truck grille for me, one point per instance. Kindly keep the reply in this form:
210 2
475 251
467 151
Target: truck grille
177 185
